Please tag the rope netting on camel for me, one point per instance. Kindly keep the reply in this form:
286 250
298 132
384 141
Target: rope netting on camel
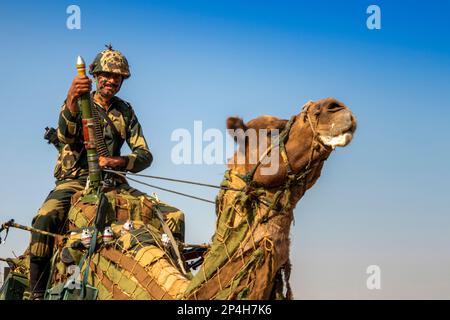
242 261
137 261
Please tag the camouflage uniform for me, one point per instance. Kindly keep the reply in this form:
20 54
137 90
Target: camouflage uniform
71 170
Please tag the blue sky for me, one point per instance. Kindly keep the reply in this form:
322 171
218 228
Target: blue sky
383 200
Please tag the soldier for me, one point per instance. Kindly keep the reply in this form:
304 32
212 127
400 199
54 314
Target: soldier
109 69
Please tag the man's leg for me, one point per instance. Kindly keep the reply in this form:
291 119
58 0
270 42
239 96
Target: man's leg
50 217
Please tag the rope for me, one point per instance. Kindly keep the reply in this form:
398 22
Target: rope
164 189
172 179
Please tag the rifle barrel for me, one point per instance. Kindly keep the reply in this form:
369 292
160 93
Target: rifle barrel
11 223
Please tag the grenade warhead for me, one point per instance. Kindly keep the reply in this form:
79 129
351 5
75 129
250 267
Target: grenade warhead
108 235
127 227
86 237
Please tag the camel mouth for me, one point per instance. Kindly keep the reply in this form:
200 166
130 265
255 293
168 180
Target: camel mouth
340 140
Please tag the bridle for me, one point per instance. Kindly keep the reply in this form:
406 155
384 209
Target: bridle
283 138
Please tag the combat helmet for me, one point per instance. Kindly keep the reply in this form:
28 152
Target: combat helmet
110 60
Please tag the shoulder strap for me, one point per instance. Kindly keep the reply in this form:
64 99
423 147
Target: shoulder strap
104 116
127 112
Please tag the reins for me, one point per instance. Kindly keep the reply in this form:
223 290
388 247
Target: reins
248 178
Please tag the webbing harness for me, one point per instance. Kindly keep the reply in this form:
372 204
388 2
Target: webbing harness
99 225
292 178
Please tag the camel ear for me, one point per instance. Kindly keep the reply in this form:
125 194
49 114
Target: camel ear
234 123
308 105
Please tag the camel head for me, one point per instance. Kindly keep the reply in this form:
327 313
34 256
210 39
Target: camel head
311 136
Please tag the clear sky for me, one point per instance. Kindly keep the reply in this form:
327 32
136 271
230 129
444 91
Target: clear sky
384 200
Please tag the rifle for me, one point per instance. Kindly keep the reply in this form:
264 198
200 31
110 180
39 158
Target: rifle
51 136
11 223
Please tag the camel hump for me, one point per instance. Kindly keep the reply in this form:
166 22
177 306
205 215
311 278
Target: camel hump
261 122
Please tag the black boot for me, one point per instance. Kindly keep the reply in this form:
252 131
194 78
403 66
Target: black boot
39 275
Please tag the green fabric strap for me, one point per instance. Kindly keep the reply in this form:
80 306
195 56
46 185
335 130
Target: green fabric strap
281 141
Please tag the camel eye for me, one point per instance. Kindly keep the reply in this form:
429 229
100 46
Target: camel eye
334 107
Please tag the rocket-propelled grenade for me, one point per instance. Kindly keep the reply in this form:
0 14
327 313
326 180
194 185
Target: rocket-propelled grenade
84 103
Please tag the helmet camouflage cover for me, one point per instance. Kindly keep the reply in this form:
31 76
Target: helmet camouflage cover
110 60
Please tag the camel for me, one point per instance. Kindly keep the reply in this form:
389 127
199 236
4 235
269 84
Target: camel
249 254
250 250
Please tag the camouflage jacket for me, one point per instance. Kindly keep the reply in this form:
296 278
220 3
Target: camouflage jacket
72 160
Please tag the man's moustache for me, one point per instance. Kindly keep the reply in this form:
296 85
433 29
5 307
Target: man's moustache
109 86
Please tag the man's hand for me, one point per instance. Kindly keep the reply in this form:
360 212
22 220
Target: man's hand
113 162
80 85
